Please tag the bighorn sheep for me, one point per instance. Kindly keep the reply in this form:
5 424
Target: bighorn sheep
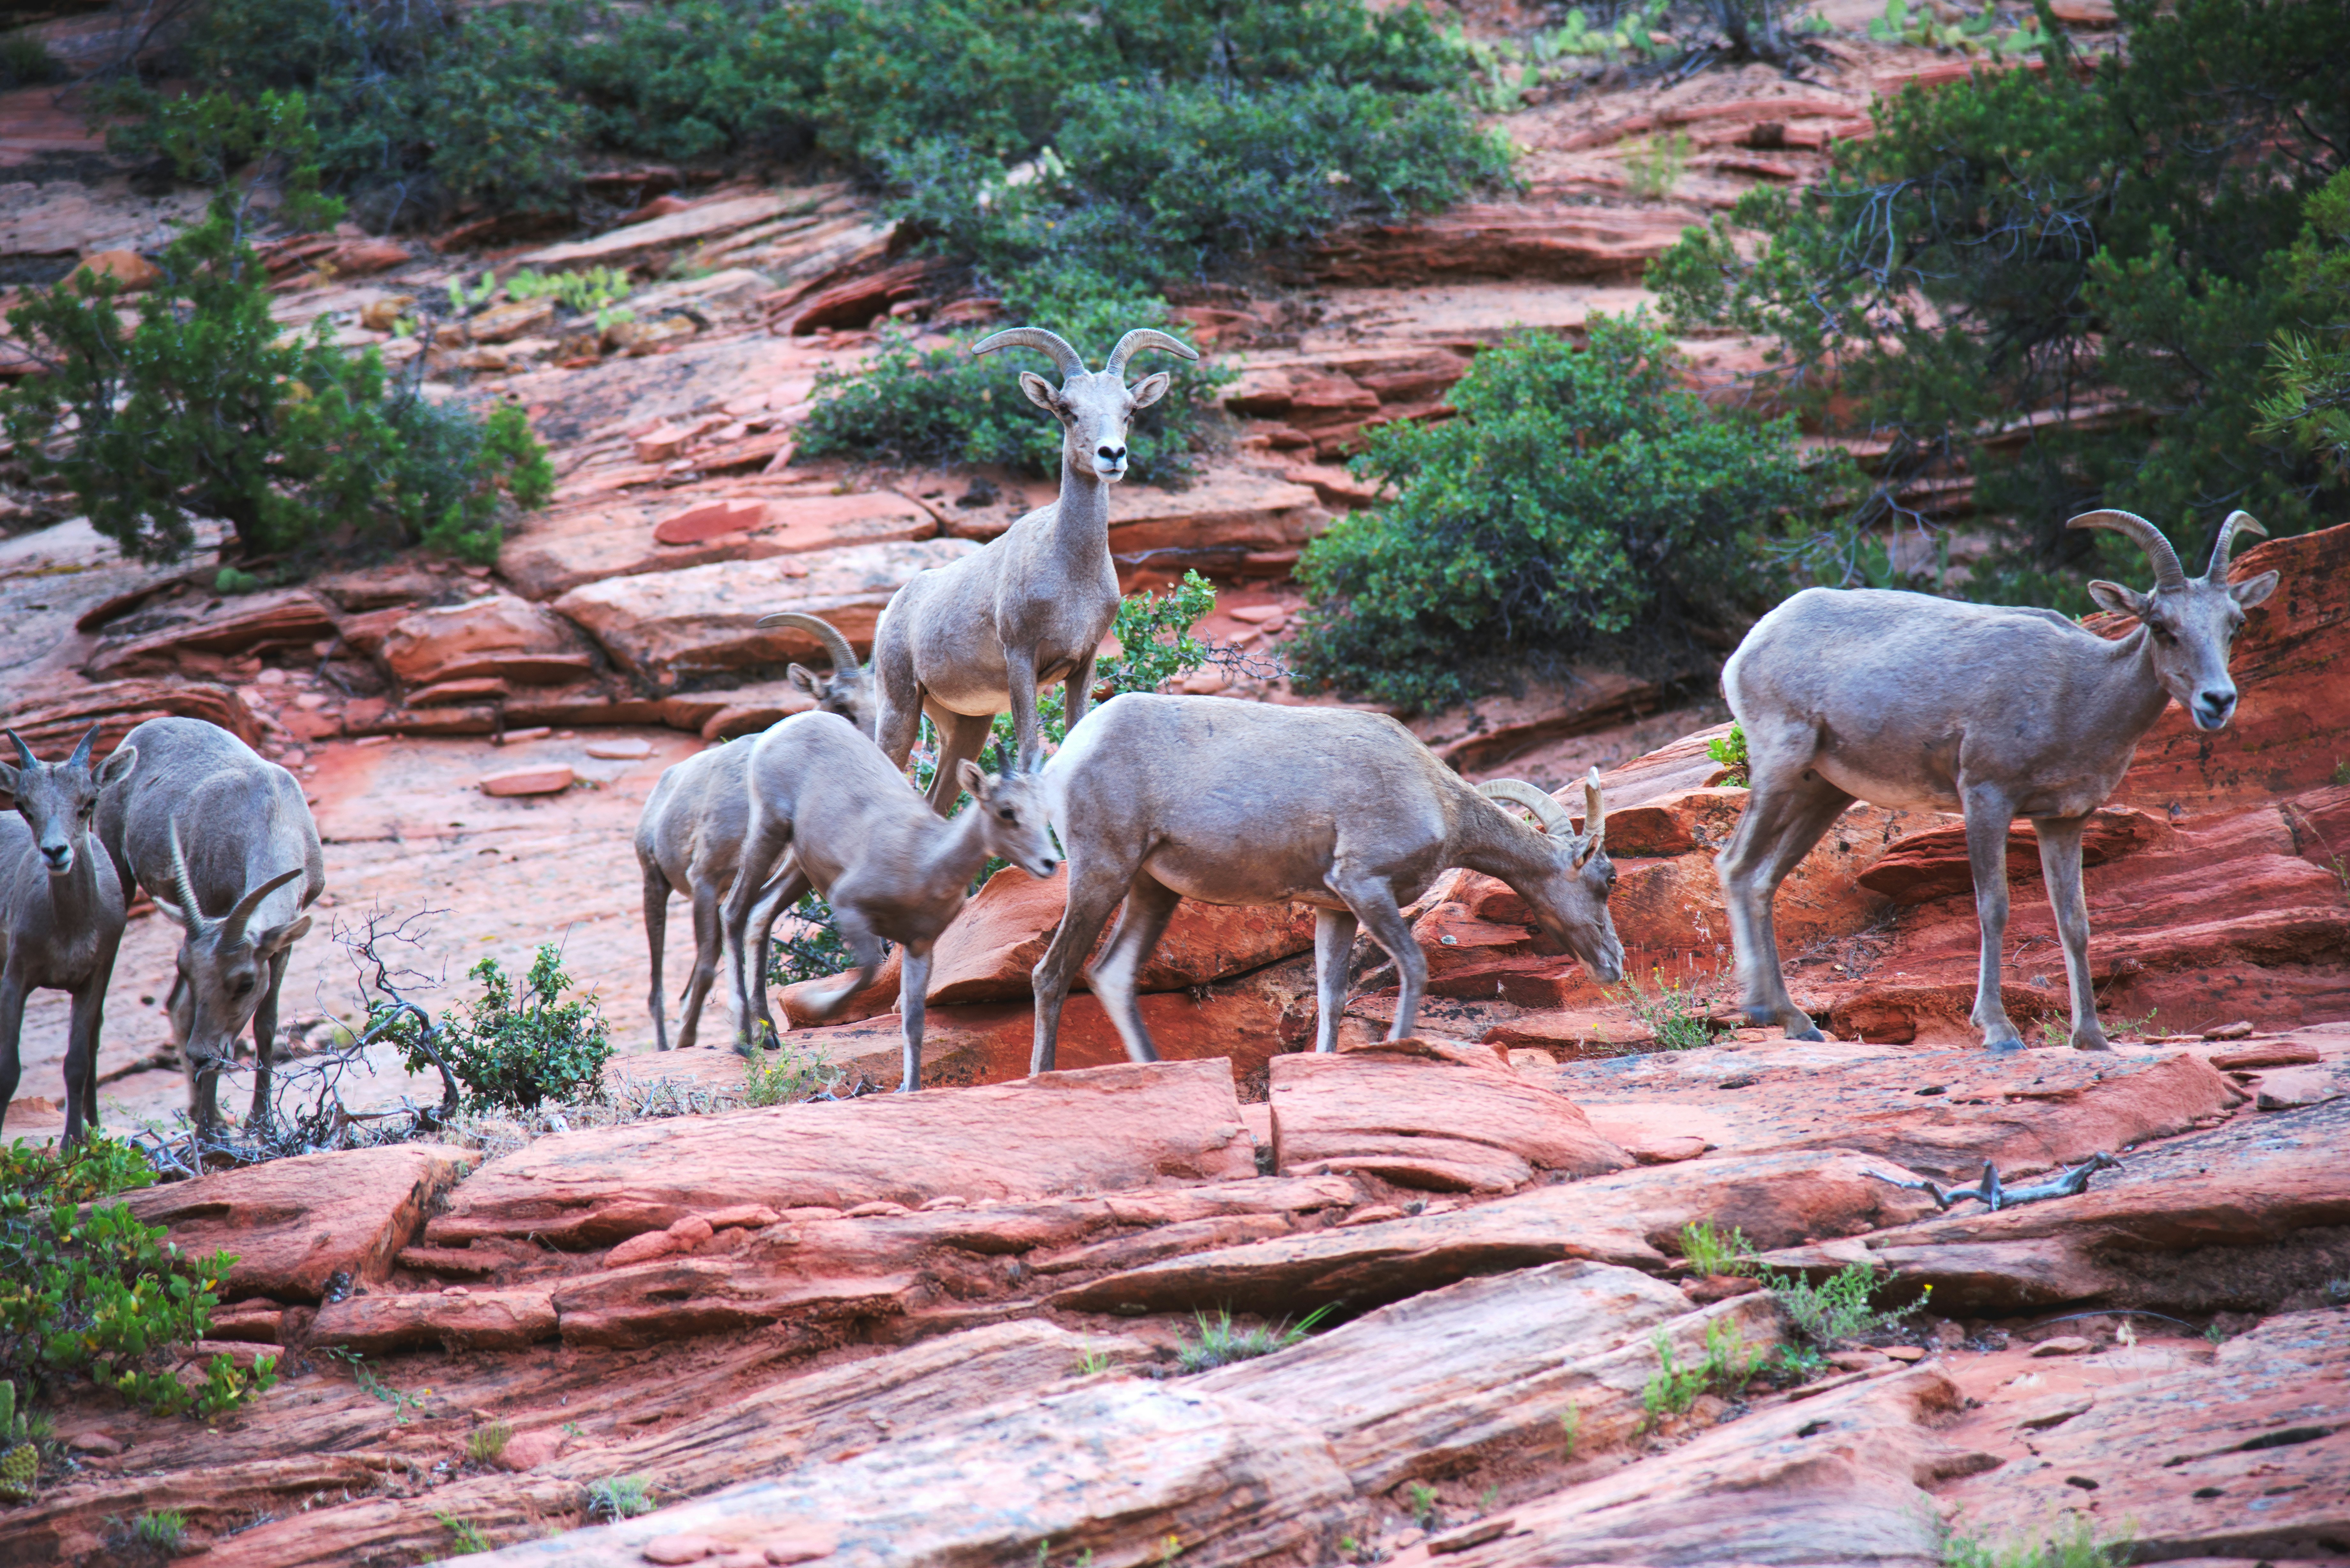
60 911
966 641
824 795
1905 699
224 843
1160 798
690 837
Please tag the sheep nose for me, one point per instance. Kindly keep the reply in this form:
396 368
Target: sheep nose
1113 455
59 856
2216 704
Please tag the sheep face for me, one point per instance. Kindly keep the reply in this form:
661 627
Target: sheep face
58 801
1011 818
224 970
2190 626
1095 409
1570 904
848 692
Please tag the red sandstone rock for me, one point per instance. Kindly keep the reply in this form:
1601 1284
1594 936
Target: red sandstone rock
1933 863
499 638
478 1320
541 778
292 617
1504 241
1427 1114
295 1224
55 720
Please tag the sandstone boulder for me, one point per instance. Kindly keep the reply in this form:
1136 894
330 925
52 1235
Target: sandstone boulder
55 720
499 638
734 520
1495 240
292 617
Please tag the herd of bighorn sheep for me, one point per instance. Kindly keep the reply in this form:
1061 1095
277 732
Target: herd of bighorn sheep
1898 699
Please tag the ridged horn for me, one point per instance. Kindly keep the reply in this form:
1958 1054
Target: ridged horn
24 752
2167 573
1517 792
1595 817
80 758
2237 523
1141 338
191 914
836 647
1070 361
233 928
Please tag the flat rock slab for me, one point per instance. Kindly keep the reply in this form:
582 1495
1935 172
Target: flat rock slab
1428 1113
540 778
295 1224
1112 1470
1942 1112
749 520
1059 1133
1836 1479
2248 1458
1626 1219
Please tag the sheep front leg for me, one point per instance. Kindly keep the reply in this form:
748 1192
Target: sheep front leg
2060 869
913 986
12 1024
1334 942
656 932
1027 731
1077 693
764 842
1989 815
1788 806
81 1055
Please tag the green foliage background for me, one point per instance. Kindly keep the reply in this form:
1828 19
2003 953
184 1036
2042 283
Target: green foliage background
512 1051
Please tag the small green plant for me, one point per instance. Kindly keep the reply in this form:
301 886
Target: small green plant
2341 772
462 299
1922 29
1728 1366
1707 1251
1092 1361
163 1532
619 1497
1655 166
789 1078
1840 1307
1730 752
1570 1427
484 1444
465 1537
231 580
21 1433
401 1401
24 61
1422 1504
2215 1334
1677 1015
2072 1545
513 1052
1220 1344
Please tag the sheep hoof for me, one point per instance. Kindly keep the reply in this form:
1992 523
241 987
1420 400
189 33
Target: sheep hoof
2007 1047
1809 1031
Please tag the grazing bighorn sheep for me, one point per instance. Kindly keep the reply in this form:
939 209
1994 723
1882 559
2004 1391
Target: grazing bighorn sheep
1905 699
824 796
60 911
1161 798
224 843
976 638
689 837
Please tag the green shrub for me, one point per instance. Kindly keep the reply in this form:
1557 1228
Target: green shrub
1580 495
1839 1307
24 61
1707 1251
1727 1368
2308 361
512 1052
619 1497
201 411
2020 242
88 1290
163 1532
1220 1344
2071 1544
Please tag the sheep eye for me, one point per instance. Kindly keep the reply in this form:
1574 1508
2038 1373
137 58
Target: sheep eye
241 984
1005 815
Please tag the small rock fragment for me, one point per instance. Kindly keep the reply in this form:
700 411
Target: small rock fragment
1904 1353
620 751
547 779
641 1249
528 1450
2062 1345
1373 1214
879 1208
682 1548
98 1443
797 1546
2236 1030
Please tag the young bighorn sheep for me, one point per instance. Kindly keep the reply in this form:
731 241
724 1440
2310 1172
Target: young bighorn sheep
1161 798
1905 699
60 911
689 837
966 641
226 845
828 810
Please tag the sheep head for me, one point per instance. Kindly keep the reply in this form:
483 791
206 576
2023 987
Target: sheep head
58 801
1569 892
1095 407
2190 622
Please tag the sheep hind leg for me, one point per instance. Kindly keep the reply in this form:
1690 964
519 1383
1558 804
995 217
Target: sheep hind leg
709 942
1149 905
1372 903
1787 810
656 933
1095 890
2060 870
1334 944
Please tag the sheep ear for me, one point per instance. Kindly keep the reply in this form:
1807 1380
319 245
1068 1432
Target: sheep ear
277 938
2254 590
967 774
1040 392
2116 598
1150 389
802 677
7 787
118 766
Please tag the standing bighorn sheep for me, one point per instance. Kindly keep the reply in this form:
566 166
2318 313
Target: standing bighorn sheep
1158 799
224 843
60 911
824 795
690 837
966 641
1905 699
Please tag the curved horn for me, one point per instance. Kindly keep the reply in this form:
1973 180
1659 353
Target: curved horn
2237 523
233 928
80 758
191 914
1141 338
836 647
1070 361
1595 817
22 750
2167 573
1517 792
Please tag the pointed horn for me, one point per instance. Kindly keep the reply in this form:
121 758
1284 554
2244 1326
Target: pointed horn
1594 816
2237 523
2167 573
233 928
1517 792
1141 338
24 751
190 912
80 758
1070 361
836 647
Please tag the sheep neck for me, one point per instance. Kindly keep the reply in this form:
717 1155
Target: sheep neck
1081 517
956 851
1491 843
2127 696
